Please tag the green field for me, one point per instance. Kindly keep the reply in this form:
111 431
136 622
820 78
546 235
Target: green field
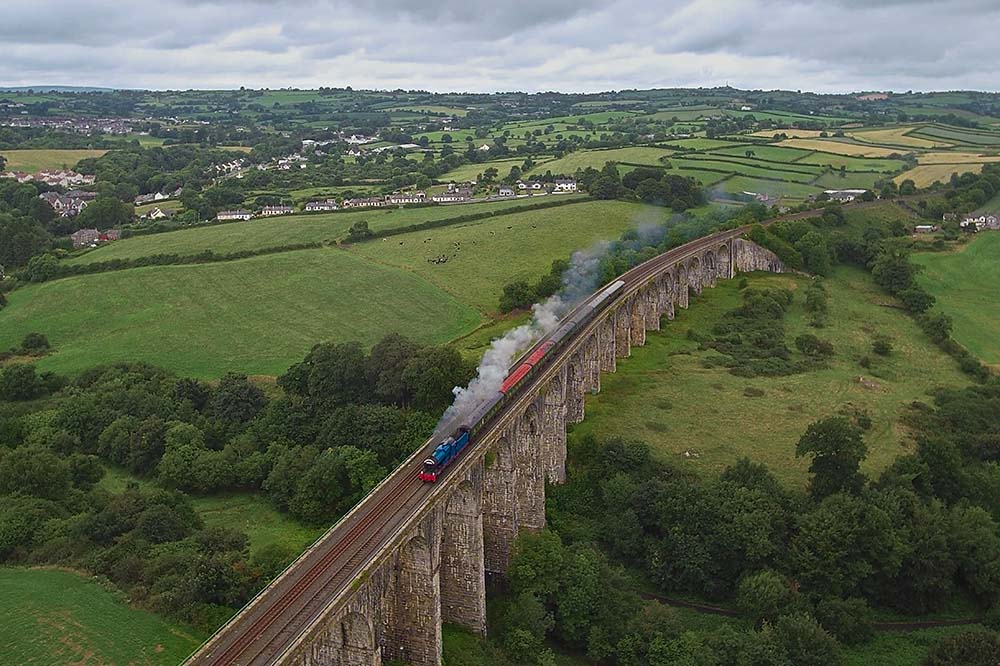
256 517
582 159
963 282
771 153
36 160
254 315
738 184
853 163
686 407
262 233
483 256
473 171
800 174
51 617
849 180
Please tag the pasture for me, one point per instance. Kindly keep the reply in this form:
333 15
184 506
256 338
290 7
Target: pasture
960 135
477 259
36 160
51 616
255 516
955 158
881 164
840 147
708 413
964 283
896 136
255 316
748 167
596 159
468 172
260 233
737 184
764 152
791 133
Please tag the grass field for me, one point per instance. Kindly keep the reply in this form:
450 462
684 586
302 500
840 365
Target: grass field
254 315
483 256
849 179
50 617
840 147
853 163
775 188
36 160
745 167
687 407
473 171
964 136
582 159
955 158
772 153
790 133
258 519
963 282
262 233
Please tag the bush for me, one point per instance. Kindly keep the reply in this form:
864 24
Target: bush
848 620
865 362
970 648
35 344
882 346
764 595
810 345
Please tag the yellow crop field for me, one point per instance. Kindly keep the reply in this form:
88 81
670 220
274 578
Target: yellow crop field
897 136
839 147
956 158
925 174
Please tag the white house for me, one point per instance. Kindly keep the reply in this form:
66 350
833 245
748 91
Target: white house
844 195
401 198
454 195
234 215
273 211
505 192
325 205
364 202
565 185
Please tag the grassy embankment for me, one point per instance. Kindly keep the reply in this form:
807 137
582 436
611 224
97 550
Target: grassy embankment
710 415
964 282
50 616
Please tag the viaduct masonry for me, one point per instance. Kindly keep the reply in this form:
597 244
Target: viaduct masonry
435 570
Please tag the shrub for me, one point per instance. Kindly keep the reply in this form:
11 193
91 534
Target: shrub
810 345
35 344
882 346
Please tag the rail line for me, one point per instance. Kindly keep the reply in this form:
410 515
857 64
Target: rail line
255 637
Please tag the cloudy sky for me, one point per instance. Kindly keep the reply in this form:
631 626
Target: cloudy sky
489 45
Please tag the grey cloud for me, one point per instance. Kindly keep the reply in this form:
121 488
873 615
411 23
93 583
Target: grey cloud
475 45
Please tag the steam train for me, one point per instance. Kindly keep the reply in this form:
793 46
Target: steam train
449 449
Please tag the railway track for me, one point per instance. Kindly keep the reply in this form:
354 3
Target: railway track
276 617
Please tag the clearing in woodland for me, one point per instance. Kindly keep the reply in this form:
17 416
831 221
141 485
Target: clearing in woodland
704 419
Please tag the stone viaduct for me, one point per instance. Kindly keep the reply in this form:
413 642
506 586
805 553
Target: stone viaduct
435 569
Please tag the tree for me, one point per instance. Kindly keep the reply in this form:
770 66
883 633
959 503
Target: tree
386 363
20 239
431 375
605 188
359 231
847 620
34 471
526 624
969 648
517 295
805 642
837 450
20 381
916 299
765 595
41 267
236 401
105 213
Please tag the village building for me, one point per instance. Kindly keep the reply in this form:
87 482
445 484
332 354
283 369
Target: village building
925 228
505 191
565 185
160 213
324 205
406 198
85 237
274 211
843 195
975 223
453 195
63 205
234 215
364 202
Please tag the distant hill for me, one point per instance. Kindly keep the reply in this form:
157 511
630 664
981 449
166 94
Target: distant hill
66 89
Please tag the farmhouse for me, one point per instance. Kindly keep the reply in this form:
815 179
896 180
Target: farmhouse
64 205
324 205
234 215
565 185
925 228
406 198
150 198
85 237
272 211
364 202
529 185
505 191
843 195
